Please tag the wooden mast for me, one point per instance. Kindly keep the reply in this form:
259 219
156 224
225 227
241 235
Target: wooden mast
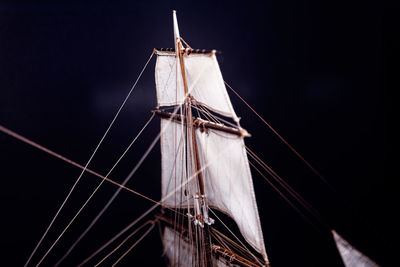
204 232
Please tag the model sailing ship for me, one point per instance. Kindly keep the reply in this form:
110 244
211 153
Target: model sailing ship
204 166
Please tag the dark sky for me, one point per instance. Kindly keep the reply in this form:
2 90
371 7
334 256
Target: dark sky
315 70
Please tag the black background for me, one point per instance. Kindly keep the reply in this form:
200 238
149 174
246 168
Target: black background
316 70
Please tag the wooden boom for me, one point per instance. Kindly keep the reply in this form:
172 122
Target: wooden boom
202 124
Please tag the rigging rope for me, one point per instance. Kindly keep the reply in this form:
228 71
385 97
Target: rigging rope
214 118
284 184
34 144
129 226
282 195
348 203
87 164
111 199
221 236
119 189
150 209
281 138
96 189
126 239
241 243
124 182
134 245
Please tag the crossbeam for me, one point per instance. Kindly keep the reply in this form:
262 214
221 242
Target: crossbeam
203 124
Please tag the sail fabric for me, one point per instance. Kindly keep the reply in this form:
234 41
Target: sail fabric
351 257
173 172
178 251
203 77
227 180
228 183
181 253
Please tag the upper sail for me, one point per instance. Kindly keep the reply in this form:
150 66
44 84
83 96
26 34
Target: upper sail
203 77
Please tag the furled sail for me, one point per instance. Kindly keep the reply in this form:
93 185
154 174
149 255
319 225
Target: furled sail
204 81
227 179
351 257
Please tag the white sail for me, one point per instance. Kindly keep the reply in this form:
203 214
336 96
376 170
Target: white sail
204 80
182 253
223 161
178 251
173 171
351 257
227 180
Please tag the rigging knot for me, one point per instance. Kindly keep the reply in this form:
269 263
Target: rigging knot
201 216
202 125
215 248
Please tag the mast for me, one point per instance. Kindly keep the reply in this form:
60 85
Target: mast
188 144
201 219
187 106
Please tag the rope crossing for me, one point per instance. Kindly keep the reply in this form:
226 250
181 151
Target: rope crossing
85 168
97 188
54 154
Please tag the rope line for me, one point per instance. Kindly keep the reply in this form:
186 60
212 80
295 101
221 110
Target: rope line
124 241
281 138
129 226
87 164
221 237
282 195
144 156
128 177
348 203
150 209
285 185
241 243
134 245
96 189
73 163
111 199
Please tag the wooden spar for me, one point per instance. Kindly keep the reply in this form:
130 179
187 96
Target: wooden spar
231 257
202 124
188 51
189 109
196 155
204 232
185 86
190 124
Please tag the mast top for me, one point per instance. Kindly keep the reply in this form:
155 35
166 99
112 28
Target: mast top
177 38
